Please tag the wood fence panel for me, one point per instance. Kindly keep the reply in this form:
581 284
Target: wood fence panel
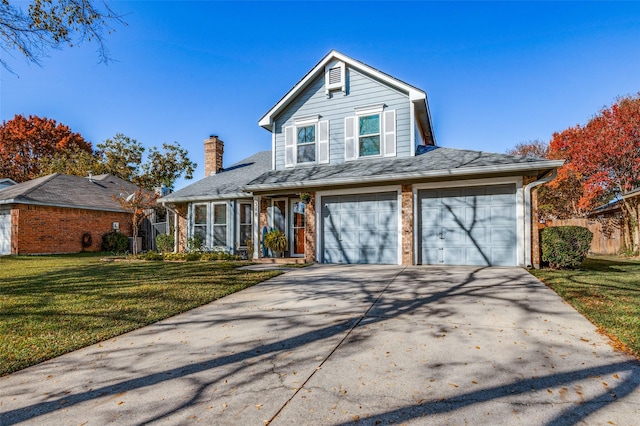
607 237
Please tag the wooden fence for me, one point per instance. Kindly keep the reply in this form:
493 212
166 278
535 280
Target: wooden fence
607 234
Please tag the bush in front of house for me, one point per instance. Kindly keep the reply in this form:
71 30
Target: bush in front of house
164 243
115 242
565 247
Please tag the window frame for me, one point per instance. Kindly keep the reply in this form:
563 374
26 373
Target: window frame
212 233
297 127
204 225
241 243
368 135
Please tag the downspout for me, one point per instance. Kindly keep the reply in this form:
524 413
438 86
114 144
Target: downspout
527 214
175 227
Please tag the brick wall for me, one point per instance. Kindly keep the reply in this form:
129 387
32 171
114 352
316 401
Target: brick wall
182 210
535 232
407 225
45 229
310 230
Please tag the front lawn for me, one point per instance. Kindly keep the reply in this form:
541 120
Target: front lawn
606 290
50 305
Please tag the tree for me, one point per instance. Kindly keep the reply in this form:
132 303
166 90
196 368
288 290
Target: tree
140 204
559 198
605 155
33 28
26 142
123 156
532 149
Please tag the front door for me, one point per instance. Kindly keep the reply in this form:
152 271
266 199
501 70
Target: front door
297 228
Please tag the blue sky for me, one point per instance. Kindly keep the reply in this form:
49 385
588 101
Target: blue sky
495 73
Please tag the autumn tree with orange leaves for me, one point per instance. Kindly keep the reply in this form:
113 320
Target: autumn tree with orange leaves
25 142
605 155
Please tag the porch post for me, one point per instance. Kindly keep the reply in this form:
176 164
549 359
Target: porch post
310 230
407 225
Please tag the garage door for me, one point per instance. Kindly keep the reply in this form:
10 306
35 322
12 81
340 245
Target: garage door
5 230
468 226
360 228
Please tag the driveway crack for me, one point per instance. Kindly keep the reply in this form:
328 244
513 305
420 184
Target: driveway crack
344 339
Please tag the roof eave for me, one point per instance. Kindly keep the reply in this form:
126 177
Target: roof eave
62 205
467 171
196 198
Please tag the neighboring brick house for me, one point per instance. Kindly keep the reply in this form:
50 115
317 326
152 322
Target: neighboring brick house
54 213
361 144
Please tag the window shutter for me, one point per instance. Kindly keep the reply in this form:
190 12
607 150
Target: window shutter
390 133
350 152
323 142
289 147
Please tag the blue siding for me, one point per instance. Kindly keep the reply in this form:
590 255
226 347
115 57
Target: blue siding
361 91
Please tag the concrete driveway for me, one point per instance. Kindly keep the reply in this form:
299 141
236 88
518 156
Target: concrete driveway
347 344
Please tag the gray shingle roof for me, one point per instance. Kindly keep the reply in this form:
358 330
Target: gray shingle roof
435 162
229 183
69 191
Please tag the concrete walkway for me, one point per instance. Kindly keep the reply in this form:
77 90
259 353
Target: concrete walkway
346 344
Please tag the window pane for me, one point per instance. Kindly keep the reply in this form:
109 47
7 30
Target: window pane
201 232
200 214
306 153
370 125
220 235
370 145
245 213
245 234
307 134
220 214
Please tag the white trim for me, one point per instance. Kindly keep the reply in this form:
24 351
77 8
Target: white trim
412 128
369 109
306 120
238 216
342 84
519 199
273 147
256 227
356 191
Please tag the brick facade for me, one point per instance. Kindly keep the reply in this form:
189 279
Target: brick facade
310 230
182 210
213 153
407 225
46 230
535 232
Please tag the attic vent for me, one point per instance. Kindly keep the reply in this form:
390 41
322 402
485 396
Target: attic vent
335 76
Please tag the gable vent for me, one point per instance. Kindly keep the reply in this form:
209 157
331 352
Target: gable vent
335 76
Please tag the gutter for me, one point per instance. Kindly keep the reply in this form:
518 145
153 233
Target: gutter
187 199
407 176
527 214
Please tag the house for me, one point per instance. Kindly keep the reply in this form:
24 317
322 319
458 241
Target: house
6 182
61 214
360 143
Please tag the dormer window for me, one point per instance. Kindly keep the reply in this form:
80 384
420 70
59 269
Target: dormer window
335 78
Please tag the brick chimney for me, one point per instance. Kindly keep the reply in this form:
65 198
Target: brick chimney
213 149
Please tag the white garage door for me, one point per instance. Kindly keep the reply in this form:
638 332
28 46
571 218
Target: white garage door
468 226
5 230
360 228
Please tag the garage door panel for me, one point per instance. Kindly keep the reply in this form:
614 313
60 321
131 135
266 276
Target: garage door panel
478 224
366 231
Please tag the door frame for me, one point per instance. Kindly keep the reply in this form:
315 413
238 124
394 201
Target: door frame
292 253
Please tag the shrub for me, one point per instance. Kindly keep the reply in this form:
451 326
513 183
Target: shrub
164 243
275 240
151 255
115 242
195 244
565 247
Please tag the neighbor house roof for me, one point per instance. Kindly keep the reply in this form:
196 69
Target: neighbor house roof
226 184
58 190
417 96
6 182
435 162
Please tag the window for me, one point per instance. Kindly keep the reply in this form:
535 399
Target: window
306 144
200 214
219 225
244 225
369 135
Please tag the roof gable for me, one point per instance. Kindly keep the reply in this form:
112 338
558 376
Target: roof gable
415 95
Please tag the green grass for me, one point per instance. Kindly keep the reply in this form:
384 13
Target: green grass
606 290
50 305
